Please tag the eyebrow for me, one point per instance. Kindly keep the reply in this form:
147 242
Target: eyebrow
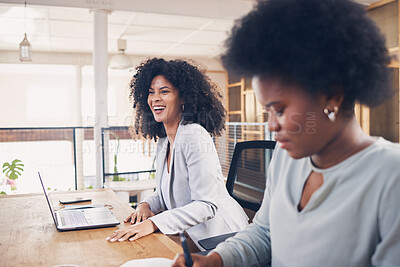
164 87
272 103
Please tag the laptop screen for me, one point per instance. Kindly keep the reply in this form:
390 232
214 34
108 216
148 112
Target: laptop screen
48 199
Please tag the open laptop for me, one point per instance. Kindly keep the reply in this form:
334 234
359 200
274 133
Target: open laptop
78 219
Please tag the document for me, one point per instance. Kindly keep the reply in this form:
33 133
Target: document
150 262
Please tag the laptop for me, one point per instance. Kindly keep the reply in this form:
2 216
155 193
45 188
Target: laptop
79 219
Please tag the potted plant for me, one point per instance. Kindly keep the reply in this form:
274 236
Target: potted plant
12 172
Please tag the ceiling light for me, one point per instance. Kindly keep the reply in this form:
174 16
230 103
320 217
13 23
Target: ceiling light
25 47
120 60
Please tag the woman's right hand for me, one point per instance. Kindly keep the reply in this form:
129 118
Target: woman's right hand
141 214
211 260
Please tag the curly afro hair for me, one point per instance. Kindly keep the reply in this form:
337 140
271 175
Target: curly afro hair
322 45
201 97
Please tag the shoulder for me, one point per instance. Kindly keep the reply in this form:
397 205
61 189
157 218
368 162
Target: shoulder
192 131
385 161
386 154
387 145
386 150
193 138
193 127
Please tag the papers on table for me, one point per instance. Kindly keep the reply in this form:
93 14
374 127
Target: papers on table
150 262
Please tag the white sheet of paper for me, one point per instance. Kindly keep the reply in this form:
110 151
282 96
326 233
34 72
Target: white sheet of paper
150 262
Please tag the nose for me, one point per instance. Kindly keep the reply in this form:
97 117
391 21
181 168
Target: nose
154 97
273 124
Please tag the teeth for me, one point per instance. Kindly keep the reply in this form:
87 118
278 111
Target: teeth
158 108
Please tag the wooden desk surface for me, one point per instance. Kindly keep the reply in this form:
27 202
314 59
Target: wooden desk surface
28 236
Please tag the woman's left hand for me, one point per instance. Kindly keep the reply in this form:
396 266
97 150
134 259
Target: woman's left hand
133 232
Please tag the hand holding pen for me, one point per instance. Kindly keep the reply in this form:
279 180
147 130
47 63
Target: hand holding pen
212 259
186 252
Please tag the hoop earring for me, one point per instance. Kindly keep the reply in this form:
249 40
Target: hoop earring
331 114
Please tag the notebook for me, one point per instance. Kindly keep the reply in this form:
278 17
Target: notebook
81 218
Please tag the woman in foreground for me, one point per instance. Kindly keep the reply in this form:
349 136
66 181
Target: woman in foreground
178 105
333 192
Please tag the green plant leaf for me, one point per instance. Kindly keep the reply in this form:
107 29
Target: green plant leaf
18 169
14 169
6 164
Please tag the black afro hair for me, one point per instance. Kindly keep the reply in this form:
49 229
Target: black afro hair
322 45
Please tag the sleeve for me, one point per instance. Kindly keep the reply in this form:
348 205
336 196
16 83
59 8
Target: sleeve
202 165
252 246
155 203
387 250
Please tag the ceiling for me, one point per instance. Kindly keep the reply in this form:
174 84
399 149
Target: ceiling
70 29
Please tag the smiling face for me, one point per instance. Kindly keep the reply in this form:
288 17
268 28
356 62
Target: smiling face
164 101
294 115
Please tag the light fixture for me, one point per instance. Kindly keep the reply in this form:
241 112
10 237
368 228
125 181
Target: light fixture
120 60
25 47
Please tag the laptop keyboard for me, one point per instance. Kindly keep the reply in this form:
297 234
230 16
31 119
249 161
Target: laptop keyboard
73 218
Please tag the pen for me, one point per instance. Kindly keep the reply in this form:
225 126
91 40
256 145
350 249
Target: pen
186 251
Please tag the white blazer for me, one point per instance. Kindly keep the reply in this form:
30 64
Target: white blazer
198 199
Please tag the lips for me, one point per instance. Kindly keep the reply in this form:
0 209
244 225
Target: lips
158 109
282 142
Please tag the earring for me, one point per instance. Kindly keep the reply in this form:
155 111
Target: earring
331 114
183 107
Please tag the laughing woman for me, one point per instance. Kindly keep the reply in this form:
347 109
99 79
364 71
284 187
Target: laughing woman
177 104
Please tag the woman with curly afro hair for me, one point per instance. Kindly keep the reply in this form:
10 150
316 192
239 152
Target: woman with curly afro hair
201 98
333 192
178 105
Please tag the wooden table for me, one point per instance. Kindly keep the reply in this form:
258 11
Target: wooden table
28 236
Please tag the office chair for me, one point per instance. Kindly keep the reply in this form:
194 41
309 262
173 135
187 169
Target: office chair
246 181
247 173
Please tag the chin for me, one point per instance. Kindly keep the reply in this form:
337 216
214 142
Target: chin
158 119
296 154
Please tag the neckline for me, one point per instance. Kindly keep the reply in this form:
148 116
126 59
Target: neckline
346 161
166 167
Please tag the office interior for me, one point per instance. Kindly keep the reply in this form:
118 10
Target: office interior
69 101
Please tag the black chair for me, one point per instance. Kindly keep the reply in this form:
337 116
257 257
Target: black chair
247 172
246 181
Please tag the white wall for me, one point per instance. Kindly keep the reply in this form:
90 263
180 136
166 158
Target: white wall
43 95
26 91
